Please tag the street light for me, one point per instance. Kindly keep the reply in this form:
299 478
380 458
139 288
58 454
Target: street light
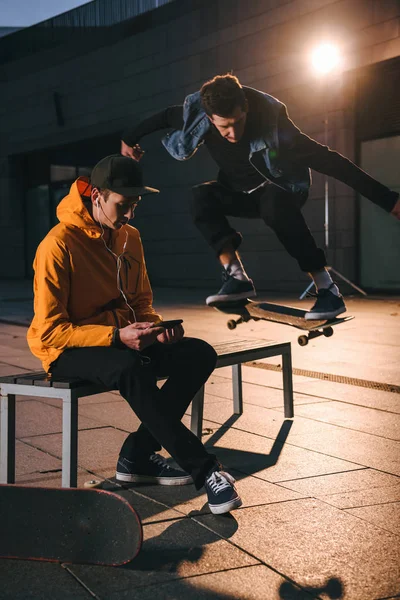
325 59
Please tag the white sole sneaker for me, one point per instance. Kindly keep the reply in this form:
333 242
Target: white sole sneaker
324 316
186 480
219 298
220 509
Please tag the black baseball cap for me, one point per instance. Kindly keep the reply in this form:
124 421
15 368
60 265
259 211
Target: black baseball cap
120 174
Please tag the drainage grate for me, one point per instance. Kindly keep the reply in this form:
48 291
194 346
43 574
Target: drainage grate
373 385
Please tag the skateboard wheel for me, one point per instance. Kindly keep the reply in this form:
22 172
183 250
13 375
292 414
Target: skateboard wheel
231 324
303 340
328 331
92 483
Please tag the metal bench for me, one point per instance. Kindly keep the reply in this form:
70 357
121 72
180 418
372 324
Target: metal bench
39 384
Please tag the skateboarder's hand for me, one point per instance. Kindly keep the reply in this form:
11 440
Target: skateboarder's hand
396 209
134 152
138 336
170 336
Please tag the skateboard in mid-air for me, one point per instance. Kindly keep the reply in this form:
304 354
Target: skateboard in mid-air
70 525
248 310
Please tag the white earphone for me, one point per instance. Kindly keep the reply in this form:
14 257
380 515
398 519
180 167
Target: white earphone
118 259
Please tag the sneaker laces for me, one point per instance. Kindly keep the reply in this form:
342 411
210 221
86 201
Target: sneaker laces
159 460
219 481
225 275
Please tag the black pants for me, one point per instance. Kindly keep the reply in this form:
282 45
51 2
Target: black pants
280 210
187 363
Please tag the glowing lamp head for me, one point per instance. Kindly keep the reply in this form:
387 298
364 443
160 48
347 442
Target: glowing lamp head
325 58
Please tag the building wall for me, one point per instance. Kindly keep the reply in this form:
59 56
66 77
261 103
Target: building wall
102 89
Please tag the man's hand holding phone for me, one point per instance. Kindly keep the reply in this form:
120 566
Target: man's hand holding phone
172 331
138 336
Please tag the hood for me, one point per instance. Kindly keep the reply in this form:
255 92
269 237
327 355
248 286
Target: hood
72 211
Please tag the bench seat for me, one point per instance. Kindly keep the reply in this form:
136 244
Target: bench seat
233 353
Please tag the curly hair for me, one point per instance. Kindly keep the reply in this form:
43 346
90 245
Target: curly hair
221 95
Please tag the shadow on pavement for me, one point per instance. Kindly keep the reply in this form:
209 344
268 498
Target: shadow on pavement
333 589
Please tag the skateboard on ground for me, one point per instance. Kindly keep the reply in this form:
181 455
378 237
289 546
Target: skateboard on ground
68 525
248 310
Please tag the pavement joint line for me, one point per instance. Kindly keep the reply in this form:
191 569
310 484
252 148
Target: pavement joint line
321 475
376 385
279 483
271 387
316 421
346 510
35 435
67 568
323 398
259 560
322 498
298 446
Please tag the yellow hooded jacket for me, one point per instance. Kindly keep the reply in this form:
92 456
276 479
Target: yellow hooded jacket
77 300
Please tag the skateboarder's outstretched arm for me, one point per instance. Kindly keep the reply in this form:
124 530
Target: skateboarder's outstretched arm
297 147
169 118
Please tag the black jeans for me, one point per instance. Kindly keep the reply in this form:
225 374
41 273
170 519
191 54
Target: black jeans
187 363
280 210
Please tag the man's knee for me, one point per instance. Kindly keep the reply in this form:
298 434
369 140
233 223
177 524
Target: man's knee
200 351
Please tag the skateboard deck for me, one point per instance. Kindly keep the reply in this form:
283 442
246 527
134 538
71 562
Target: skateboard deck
248 310
68 525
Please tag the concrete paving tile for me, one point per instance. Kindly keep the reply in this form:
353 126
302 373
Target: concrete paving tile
262 421
31 460
386 516
265 377
6 369
21 579
350 393
25 360
106 397
312 542
36 418
247 583
252 490
272 460
98 449
116 414
171 550
260 395
368 497
362 448
352 481
369 420
149 510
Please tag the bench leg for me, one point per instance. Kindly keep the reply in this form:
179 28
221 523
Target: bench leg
287 383
70 441
7 438
196 420
237 389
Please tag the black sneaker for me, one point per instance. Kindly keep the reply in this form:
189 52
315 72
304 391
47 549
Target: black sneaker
154 469
221 492
232 289
327 306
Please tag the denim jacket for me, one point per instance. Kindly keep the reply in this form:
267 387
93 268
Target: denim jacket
182 144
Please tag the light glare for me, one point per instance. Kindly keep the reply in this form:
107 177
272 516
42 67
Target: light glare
325 58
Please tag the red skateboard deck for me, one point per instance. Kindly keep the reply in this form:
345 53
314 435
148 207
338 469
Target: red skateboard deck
68 525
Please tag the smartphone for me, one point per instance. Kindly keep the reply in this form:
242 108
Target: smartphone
169 324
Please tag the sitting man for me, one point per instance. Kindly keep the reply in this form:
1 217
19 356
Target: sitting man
94 320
